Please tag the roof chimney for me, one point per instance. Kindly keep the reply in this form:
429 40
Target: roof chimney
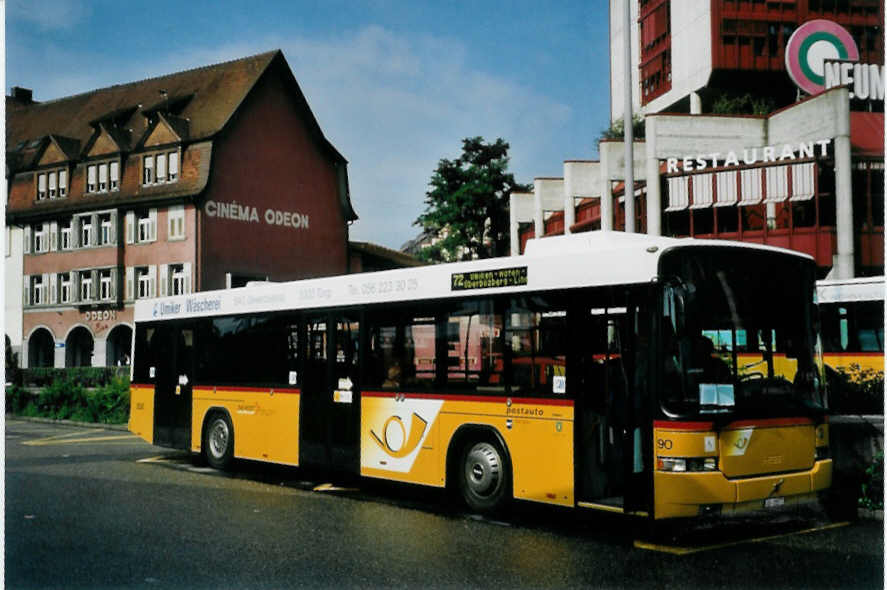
22 95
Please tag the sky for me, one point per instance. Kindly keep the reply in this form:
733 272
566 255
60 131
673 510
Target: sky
394 85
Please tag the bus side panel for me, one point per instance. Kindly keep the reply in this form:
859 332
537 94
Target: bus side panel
141 411
408 440
399 440
266 422
867 361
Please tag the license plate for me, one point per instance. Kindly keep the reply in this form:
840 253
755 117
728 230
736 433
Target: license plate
774 502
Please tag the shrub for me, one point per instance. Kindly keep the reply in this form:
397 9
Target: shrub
67 398
856 390
872 492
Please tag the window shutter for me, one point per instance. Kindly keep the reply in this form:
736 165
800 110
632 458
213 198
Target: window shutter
115 275
130 283
161 167
27 245
96 230
152 280
103 176
45 231
63 182
41 183
26 294
164 279
187 273
152 214
75 286
54 236
94 285
53 288
113 233
115 174
90 178
52 183
130 226
173 165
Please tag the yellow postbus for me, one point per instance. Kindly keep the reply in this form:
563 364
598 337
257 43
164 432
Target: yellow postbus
650 376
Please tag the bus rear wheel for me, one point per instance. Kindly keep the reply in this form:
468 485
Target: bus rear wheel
218 441
485 477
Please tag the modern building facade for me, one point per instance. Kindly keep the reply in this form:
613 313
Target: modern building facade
197 180
807 175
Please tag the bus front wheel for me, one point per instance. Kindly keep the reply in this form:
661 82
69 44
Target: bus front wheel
218 441
484 477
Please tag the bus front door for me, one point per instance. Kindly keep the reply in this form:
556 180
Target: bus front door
172 351
330 407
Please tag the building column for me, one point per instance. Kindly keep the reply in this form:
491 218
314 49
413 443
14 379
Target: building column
59 354
99 352
538 219
606 193
569 211
842 264
654 186
695 103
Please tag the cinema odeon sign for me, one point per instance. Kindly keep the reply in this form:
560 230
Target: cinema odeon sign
236 212
821 54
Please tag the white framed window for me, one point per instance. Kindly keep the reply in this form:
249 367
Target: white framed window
86 231
53 184
160 168
40 238
173 166
63 183
106 285
38 290
145 281
177 279
115 176
67 236
175 216
106 232
103 177
85 286
65 288
146 226
41 186
91 178
148 169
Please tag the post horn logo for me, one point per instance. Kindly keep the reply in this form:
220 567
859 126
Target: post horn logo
394 439
810 45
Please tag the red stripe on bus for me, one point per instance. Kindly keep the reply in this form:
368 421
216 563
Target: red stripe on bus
471 398
689 426
234 388
851 353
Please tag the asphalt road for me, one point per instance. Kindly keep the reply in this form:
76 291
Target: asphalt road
100 509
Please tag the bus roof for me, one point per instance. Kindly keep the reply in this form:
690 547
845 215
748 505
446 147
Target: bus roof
862 289
561 262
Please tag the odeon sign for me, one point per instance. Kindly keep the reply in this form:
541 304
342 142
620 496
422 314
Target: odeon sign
821 54
236 212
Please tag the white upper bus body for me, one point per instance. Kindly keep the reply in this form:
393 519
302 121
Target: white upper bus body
581 260
847 290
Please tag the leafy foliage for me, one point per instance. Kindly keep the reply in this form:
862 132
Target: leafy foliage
617 129
856 390
68 399
467 207
872 493
745 104
85 376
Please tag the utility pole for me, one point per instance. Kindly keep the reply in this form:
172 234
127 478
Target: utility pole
628 125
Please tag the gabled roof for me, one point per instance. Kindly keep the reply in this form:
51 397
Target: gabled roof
214 94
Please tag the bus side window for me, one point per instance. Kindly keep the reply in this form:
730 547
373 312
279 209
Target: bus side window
475 360
536 336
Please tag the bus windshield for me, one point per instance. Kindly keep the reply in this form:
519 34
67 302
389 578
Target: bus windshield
736 334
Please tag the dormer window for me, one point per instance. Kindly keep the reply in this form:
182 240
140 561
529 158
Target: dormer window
102 177
160 168
52 184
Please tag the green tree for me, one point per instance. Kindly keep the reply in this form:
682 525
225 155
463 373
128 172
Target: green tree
466 208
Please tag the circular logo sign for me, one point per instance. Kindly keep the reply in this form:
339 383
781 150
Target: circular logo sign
810 45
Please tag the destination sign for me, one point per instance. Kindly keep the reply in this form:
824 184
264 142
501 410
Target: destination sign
489 279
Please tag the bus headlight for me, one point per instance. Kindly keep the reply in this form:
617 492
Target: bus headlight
683 464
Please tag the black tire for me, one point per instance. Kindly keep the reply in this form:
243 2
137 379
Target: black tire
218 441
484 476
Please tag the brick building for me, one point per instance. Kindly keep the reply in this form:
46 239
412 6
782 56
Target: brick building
198 180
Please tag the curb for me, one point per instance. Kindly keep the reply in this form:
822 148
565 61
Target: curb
867 514
120 427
